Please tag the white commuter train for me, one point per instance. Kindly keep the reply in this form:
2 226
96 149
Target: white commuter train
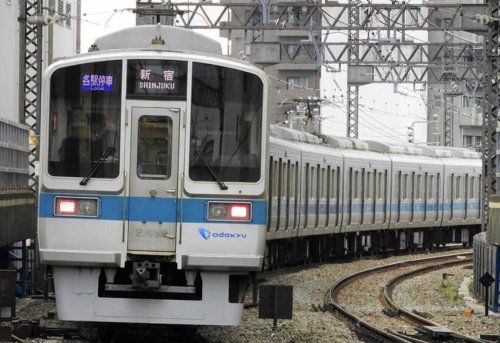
152 204
158 192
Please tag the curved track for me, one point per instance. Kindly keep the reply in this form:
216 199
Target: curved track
376 332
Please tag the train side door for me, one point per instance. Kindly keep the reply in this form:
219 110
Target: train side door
152 208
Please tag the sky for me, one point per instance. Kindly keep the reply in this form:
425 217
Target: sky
386 111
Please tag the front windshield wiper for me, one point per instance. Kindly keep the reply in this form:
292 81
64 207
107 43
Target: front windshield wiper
221 183
99 163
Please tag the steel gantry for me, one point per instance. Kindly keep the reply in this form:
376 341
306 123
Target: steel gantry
399 58
490 108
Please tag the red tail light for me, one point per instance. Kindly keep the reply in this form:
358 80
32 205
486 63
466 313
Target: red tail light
230 211
239 211
82 207
65 207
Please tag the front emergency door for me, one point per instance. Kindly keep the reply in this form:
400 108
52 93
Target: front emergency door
152 209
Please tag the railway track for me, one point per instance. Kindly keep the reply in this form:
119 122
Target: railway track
369 325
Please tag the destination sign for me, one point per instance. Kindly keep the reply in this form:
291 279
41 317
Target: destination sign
156 79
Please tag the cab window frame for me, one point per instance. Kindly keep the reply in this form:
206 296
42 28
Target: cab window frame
260 127
119 125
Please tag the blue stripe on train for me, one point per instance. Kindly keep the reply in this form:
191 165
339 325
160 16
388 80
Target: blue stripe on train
194 210
150 209
404 207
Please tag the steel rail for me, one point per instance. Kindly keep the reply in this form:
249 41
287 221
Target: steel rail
365 327
388 301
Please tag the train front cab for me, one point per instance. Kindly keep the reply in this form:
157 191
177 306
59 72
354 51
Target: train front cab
153 192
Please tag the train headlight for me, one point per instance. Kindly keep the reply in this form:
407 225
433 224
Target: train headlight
230 211
218 211
85 207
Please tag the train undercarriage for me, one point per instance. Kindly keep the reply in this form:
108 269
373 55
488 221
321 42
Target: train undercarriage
323 248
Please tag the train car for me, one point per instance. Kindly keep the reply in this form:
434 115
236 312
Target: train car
461 189
153 179
359 197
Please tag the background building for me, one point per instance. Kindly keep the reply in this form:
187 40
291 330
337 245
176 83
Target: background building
460 99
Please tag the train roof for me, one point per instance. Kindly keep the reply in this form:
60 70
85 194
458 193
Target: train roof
344 143
294 135
337 142
157 37
137 40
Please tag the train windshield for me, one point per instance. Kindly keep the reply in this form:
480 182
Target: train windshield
84 133
226 125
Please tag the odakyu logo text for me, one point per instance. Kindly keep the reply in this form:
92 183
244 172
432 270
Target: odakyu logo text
207 234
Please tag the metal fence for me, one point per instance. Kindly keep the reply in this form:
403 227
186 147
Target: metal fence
14 150
486 259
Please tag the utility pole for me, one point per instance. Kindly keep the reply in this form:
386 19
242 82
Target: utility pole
30 75
448 117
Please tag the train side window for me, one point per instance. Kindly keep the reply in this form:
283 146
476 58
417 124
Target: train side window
284 180
438 182
270 195
280 179
399 186
313 188
350 195
295 176
328 194
377 187
355 185
418 189
306 192
361 177
368 185
405 186
323 188
289 179
374 190
350 190
333 182
286 165
276 178
452 184
466 186
336 182
426 180
380 185
431 186
471 187
319 185
479 186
